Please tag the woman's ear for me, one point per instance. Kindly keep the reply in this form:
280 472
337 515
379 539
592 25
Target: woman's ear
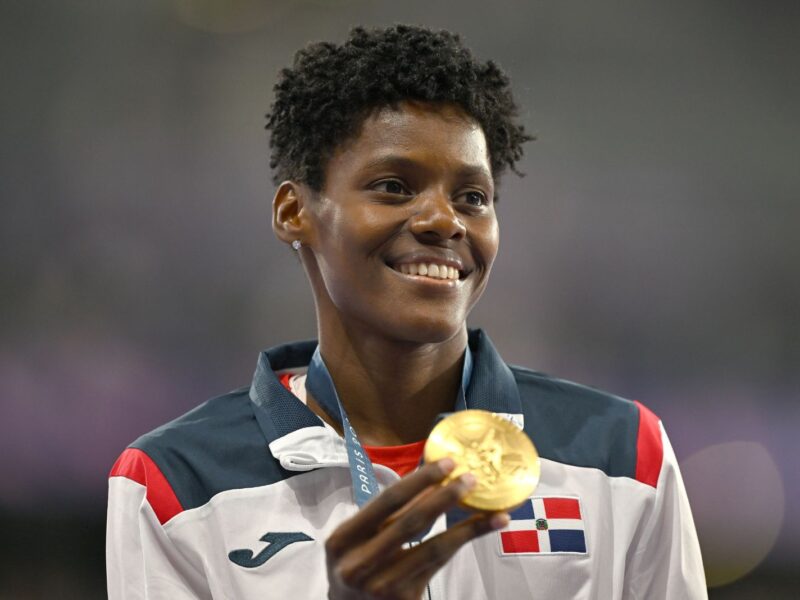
290 212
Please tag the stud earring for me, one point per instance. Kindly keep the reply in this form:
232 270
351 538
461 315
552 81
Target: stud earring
296 244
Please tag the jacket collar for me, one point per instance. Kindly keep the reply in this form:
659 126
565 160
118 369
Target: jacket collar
280 414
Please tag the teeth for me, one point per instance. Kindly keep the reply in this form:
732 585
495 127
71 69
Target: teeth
431 270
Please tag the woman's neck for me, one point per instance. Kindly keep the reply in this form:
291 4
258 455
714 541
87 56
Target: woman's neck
392 391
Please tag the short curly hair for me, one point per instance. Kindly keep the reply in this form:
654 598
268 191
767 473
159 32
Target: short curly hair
322 100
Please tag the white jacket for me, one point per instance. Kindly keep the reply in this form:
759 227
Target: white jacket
236 498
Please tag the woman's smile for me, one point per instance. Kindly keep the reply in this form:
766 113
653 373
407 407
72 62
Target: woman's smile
427 268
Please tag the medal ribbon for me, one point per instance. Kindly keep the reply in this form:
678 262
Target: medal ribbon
320 384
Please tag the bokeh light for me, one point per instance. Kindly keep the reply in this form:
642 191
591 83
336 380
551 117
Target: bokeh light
737 497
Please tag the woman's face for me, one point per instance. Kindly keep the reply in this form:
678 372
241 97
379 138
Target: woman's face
404 229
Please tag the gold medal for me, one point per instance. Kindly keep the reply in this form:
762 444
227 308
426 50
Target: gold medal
500 456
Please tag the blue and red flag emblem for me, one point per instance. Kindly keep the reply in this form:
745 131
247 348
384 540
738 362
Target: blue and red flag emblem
545 525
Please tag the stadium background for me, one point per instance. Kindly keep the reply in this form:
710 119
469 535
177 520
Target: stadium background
651 250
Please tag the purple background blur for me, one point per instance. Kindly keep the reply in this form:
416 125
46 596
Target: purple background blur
652 249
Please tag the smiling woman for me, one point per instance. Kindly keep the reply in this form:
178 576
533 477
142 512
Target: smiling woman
387 152
396 199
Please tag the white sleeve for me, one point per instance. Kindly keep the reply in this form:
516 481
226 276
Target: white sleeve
141 560
667 564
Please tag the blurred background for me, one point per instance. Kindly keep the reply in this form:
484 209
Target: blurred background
651 250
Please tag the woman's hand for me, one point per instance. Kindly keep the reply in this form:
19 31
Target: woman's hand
365 555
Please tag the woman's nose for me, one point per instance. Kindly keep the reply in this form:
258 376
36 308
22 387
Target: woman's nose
436 219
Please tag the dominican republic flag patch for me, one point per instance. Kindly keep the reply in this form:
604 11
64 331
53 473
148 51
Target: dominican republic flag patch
545 525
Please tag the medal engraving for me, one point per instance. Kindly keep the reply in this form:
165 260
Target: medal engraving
500 456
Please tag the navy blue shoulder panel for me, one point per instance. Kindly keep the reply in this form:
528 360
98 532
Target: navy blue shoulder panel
577 425
215 447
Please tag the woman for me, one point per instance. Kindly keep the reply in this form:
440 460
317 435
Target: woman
387 151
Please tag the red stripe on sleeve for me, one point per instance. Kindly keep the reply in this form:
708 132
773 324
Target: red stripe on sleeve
649 448
137 466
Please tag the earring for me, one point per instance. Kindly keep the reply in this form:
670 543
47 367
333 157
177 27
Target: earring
296 244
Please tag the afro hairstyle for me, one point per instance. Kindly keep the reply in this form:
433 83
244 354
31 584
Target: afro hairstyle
322 100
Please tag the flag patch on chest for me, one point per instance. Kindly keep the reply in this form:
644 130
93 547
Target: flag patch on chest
545 525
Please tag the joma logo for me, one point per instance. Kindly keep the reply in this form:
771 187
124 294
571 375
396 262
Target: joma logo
277 541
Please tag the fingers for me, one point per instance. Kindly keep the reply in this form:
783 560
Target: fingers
435 552
366 553
414 519
421 562
369 519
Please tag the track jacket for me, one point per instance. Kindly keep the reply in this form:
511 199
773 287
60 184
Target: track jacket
235 499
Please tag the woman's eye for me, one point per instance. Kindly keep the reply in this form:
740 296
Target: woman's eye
476 198
391 186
